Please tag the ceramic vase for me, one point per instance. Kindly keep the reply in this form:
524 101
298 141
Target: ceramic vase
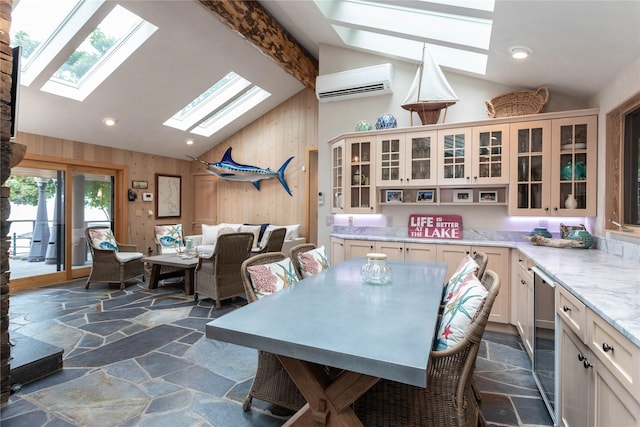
570 202
582 236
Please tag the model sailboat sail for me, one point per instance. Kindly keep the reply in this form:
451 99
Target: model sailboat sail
430 91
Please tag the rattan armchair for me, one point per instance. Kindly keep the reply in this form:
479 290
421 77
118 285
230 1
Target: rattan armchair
482 259
293 254
274 241
272 382
218 276
448 399
110 265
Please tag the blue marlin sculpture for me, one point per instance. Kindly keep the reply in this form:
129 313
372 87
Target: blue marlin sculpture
232 171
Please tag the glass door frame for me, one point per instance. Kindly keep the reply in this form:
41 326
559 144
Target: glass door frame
120 213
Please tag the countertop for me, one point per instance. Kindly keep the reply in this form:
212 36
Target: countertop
606 283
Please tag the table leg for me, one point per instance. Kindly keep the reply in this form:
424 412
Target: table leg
188 280
328 403
155 276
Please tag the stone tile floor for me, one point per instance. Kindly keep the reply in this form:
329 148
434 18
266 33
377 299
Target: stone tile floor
139 357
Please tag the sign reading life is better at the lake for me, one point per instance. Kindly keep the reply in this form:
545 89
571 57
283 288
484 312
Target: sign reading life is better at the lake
435 226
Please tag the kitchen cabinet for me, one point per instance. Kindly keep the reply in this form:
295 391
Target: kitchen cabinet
358 248
554 167
337 250
407 250
600 369
406 159
499 260
523 297
352 176
337 176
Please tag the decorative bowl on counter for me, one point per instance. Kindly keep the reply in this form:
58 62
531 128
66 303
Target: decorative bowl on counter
540 231
582 236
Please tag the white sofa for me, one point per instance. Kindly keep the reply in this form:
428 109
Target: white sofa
205 243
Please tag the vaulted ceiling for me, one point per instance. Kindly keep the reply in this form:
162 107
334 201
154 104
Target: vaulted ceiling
578 46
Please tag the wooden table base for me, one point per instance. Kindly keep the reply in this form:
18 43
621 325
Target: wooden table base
328 400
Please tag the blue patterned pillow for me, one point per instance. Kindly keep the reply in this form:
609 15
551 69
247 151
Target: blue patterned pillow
169 236
102 238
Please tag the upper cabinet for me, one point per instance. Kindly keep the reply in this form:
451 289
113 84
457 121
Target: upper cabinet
337 177
554 167
406 159
360 179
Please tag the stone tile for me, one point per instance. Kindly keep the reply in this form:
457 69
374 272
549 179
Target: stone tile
128 370
498 409
17 405
158 364
192 338
508 355
106 328
175 348
231 361
532 411
171 402
512 381
224 413
201 379
127 313
159 387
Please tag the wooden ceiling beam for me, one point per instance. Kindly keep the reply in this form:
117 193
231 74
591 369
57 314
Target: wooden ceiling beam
254 23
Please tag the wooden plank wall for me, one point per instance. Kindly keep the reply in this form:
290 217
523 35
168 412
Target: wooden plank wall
285 131
141 167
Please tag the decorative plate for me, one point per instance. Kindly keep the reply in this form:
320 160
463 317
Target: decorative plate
386 121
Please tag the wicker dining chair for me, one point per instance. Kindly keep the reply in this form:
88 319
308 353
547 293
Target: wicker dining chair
112 262
271 383
274 241
482 259
448 399
218 276
293 254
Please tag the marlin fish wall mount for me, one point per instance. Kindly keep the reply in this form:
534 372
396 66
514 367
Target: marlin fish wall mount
232 171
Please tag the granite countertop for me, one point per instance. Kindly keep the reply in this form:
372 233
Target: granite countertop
606 283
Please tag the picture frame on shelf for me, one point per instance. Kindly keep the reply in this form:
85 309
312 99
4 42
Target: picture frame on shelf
393 196
463 196
168 196
425 196
139 185
488 196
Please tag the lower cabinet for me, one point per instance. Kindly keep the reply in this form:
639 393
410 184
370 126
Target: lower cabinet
408 251
337 250
598 374
523 296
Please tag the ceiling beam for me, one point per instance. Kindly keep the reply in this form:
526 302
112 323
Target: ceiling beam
254 23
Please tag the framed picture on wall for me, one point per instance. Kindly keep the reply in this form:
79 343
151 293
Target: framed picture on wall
168 196
424 196
140 185
393 196
463 196
488 196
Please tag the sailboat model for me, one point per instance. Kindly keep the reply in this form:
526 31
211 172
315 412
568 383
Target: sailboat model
430 91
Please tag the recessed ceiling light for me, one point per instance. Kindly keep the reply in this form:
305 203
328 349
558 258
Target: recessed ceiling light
519 52
109 121
189 141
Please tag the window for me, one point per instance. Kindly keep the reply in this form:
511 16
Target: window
622 188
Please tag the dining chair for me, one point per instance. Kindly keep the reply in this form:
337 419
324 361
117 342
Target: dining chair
271 383
274 241
482 259
218 275
448 399
112 262
293 254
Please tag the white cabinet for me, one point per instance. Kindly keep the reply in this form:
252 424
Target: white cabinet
454 156
337 250
358 248
407 250
523 297
353 176
337 176
406 159
554 160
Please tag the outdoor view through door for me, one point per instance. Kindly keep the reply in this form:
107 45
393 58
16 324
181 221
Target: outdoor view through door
47 223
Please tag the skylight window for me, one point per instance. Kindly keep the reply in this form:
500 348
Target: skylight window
459 41
102 52
219 105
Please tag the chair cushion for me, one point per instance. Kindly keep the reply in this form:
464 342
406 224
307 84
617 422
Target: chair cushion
269 278
255 229
168 236
128 256
313 261
460 312
466 266
102 238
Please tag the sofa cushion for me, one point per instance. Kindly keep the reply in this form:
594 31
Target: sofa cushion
269 278
255 229
460 312
313 262
263 228
293 232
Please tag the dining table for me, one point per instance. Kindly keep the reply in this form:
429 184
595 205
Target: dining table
334 319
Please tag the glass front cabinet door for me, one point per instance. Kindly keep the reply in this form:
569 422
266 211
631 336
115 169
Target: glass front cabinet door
573 166
361 195
454 156
337 176
406 160
490 156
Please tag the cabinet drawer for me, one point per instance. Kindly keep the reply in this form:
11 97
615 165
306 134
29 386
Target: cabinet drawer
572 312
619 355
525 265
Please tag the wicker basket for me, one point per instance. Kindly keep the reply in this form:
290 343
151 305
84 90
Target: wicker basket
518 103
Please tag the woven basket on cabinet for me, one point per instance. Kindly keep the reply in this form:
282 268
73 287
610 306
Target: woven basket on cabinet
518 103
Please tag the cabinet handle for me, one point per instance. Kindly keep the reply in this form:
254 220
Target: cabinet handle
606 347
475 177
555 209
586 364
546 209
565 308
522 282
581 357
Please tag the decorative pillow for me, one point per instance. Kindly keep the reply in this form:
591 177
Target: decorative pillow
293 231
466 266
102 238
313 261
168 236
210 234
263 228
255 229
235 227
461 312
269 278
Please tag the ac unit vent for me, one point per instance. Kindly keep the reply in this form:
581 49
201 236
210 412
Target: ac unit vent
358 83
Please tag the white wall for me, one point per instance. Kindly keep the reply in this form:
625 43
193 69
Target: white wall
340 117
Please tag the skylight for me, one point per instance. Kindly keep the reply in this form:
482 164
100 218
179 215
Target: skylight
46 29
228 98
459 41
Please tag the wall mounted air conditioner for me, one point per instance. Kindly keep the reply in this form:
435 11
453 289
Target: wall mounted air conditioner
358 83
